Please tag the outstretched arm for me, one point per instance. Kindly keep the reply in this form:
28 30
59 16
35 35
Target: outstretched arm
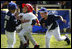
37 22
62 19
59 17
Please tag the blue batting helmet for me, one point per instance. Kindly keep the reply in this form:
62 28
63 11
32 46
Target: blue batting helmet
12 6
43 10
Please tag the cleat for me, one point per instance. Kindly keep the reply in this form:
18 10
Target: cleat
36 46
67 39
25 45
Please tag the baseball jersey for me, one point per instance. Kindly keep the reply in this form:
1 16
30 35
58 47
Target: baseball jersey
11 22
27 16
50 22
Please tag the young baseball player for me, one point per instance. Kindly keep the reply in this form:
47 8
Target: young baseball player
49 22
29 20
18 30
10 25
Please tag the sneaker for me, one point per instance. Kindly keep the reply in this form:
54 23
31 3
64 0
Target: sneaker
36 46
25 45
67 39
21 45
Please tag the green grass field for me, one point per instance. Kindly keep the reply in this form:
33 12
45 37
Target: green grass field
40 38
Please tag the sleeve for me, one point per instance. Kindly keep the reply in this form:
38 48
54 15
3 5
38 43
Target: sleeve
56 17
34 19
41 21
21 15
33 22
32 16
19 22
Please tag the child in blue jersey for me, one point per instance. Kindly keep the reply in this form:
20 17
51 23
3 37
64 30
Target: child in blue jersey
10 24
49 22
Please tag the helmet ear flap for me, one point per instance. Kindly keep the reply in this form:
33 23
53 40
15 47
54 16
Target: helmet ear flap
23 5
31 9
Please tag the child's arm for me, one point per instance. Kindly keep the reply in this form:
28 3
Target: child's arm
37 22
62 19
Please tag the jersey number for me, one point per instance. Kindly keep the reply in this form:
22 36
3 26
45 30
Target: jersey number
6 18
5 24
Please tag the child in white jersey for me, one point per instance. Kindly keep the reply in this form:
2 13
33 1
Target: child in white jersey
28 20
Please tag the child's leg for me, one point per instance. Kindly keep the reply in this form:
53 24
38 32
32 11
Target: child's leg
11 38
47 38
14 38
29 35
21 44
21 36
57 35
27 41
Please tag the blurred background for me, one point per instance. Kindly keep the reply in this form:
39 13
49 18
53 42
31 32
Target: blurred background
62 8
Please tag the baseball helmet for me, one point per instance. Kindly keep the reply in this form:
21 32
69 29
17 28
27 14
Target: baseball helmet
43 10
29 6
12 6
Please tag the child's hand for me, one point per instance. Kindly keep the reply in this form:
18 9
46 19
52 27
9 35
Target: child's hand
64 20
37 24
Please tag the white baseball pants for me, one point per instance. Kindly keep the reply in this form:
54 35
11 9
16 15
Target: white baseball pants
56 33
11 36
27 33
